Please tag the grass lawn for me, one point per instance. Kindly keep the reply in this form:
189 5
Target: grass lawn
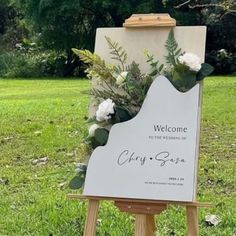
45 118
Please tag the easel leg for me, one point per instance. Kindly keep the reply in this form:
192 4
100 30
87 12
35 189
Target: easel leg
192 220
151 227
144 225
91 220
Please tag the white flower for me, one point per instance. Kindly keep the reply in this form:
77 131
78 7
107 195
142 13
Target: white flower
92 129
105 109
191 60
222 50
121 77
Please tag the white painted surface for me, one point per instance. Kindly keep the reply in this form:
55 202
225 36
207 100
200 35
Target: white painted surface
134 41
163 106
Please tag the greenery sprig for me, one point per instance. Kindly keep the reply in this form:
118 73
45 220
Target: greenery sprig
117 52
173 49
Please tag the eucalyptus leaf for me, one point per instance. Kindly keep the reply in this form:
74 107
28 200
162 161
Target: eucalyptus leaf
94 143
77 182
122 114
205 70
101 136
161 67
154 73
182 78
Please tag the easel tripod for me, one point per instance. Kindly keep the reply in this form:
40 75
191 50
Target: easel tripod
144 211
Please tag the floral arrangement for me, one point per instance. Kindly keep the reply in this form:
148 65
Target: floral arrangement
121 89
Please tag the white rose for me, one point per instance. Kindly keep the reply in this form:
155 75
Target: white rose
105 109
92 129
121 77
191 60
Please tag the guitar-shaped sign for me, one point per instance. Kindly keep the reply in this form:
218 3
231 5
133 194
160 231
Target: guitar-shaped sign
154 155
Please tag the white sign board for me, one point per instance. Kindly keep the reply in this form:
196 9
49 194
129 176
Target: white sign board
134 41
154 155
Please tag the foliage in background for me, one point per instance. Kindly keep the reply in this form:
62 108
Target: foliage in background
61 25
224 61
29 60
220 18
12 27
72 24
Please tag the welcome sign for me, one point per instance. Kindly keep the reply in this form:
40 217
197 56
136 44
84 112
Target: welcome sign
154 155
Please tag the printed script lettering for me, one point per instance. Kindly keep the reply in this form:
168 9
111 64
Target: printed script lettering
162 158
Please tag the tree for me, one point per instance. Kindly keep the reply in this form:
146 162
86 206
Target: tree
11 29
3 13
65 24
218 15
220 18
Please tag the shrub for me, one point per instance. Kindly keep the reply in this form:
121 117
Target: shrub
51 64
27 64
223 61
14 64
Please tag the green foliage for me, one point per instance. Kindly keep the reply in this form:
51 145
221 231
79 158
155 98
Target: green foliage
88 57
173 50
182 78
12 27
18 64
101 136
97 66
77 182
122 114
64 24
220 20
205 70
134 71
180 75
59 23
223 60
117 52
99 139
156 68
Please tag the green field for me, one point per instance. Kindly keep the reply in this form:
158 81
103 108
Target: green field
46 118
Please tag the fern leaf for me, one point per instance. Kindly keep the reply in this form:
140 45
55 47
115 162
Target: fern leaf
117 51
173 49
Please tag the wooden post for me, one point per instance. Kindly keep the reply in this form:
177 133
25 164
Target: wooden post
151 226
192 220
144 225
91 220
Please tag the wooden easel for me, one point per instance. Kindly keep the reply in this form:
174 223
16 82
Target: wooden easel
144 210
